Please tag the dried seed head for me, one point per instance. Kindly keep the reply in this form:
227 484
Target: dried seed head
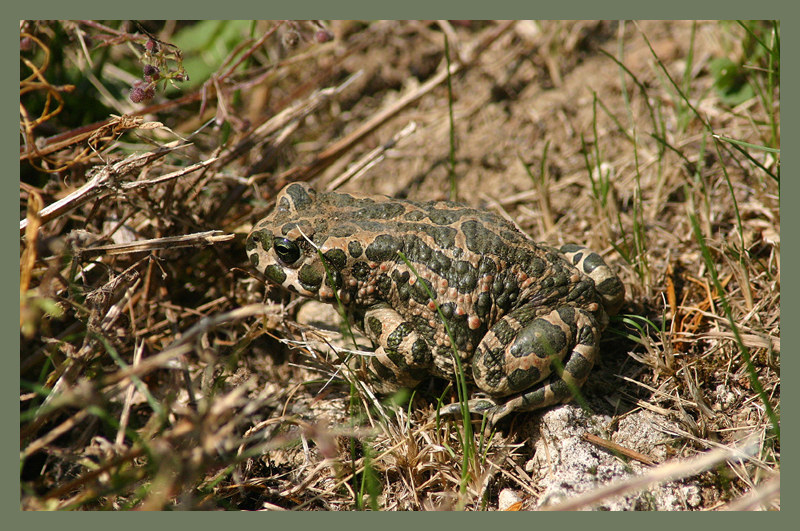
152 71
291 39
141 92
323 35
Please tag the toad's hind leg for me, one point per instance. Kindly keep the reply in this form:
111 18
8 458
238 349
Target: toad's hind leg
546 363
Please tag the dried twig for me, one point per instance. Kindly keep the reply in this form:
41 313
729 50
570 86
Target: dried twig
618 449
171 242
104 179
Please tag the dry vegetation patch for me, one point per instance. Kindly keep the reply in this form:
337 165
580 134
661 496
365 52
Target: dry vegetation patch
157 371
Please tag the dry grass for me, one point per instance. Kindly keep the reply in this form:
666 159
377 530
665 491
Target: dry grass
157 372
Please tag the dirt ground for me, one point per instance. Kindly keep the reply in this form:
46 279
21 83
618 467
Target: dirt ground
168 376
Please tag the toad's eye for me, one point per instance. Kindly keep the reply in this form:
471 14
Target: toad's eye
288 252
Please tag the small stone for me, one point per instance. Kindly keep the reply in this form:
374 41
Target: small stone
692 495
507 498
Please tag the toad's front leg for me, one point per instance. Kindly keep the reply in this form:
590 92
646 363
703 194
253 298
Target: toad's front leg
402 357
